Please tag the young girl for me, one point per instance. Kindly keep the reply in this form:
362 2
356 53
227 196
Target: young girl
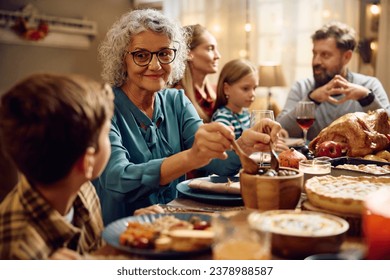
235 93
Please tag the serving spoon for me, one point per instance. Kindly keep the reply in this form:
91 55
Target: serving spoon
248 164
274 155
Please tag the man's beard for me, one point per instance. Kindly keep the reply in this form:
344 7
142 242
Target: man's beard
323 78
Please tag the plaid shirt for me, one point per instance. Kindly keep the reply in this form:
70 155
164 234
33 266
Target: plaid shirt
31 229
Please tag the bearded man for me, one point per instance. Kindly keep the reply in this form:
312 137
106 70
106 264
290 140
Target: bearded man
334 89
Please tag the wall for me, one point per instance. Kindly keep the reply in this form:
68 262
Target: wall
18 61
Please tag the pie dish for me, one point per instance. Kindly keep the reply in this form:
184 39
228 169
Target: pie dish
299 223
298 234
343 194
354 221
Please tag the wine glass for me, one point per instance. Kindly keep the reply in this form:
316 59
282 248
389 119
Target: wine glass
256 116
305 116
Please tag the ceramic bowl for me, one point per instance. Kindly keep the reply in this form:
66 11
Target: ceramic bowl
299 234
263 192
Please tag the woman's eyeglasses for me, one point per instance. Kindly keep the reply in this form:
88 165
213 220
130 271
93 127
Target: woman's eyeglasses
144 57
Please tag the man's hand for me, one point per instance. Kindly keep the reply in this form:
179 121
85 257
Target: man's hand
339 85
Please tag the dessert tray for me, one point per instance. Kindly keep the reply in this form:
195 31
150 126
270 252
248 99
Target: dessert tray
357 167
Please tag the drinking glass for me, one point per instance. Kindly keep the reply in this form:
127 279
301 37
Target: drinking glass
256 116
235 239
305 116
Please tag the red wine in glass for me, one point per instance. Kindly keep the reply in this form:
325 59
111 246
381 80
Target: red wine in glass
305 116
305 123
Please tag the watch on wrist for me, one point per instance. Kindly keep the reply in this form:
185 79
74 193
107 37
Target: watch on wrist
311 99
367 100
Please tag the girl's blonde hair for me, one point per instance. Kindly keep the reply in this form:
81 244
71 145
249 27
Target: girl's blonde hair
232 72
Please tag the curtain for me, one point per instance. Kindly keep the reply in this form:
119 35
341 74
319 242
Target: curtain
383 57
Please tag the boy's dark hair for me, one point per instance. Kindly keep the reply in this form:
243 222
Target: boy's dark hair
47 121
344 35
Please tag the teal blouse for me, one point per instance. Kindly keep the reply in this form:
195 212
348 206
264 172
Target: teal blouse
131 178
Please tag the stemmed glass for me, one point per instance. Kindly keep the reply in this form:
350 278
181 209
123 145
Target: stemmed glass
256 116
305 116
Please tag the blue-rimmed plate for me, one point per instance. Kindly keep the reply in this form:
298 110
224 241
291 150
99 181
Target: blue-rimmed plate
112 232
209 197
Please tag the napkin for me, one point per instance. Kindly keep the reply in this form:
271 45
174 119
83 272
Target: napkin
204 185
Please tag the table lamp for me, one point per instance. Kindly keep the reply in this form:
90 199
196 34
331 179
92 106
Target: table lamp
271 75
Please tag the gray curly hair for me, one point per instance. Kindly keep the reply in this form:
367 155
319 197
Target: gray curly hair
112 49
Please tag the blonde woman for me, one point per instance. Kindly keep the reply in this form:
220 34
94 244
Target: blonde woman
202 60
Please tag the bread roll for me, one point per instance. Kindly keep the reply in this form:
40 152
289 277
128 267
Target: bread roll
190 240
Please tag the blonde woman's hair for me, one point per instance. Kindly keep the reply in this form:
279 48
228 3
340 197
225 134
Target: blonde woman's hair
232 72
195 33
114 46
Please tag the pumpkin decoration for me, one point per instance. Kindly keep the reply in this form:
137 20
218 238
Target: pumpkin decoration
291 158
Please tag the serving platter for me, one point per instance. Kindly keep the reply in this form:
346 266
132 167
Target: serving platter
112 232
338 171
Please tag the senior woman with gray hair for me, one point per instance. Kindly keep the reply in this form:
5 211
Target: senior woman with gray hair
156 134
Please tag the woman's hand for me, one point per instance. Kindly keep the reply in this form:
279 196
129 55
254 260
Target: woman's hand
257 138
154 209
211 141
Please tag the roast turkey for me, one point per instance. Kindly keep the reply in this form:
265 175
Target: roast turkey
360 133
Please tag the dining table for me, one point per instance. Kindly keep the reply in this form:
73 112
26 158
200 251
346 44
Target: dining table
353 246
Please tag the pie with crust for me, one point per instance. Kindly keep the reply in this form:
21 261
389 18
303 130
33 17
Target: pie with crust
343 194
